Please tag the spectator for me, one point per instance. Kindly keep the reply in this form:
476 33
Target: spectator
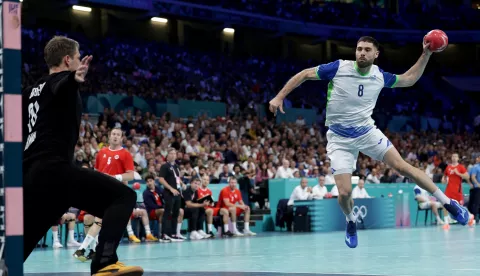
319 191
373 177
284 171
301 192
359 191
425 201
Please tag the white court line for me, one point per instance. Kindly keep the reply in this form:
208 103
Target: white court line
466 269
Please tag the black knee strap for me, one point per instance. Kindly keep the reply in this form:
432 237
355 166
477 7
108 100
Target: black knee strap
98 223
69 220
88 225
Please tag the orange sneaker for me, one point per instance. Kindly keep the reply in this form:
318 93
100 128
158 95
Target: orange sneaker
151 238
133 238
119 269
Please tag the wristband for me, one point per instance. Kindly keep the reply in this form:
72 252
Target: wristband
119 177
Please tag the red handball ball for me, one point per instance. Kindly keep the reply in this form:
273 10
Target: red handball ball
438 40
136 186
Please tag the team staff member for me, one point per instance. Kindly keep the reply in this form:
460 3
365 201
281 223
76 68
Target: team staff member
195 211
169 177
52 108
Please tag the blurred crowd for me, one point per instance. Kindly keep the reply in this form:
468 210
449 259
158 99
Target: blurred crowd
248 145
258 149
366 14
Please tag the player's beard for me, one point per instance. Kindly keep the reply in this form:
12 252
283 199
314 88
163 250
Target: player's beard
364 63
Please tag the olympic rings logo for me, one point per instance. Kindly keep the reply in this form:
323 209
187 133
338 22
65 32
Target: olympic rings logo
360 212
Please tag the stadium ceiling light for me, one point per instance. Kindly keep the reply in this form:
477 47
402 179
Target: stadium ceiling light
81 8
159 19
229 30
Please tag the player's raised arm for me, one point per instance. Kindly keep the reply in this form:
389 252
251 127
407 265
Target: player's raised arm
322 72
410 77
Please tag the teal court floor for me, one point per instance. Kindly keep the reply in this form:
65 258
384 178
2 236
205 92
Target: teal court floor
409 251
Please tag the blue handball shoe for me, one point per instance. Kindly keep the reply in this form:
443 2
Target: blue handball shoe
351 239
458 212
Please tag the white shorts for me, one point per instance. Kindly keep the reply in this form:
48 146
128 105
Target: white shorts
343 152
428 205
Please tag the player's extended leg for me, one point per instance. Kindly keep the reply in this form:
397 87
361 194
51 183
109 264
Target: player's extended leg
343 153
344 185
394 160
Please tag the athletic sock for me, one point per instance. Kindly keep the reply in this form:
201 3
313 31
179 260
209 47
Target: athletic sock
351 217
438 194
55 236
71 236
129 230
86 242
246 226
93 245
147 230
225 227
234 224
179 228
210 227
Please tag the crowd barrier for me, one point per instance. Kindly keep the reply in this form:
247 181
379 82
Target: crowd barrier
372 213
401 195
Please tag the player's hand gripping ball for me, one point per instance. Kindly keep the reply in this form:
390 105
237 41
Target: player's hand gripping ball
438 40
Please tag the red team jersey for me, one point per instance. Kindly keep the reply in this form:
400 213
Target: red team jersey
201 193
113 162
454 184
234 196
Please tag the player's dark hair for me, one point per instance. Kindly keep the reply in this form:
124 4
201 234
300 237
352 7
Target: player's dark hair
370 40
196 179
149 177
57 48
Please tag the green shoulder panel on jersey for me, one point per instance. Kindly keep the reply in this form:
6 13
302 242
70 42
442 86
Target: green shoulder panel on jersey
316 72
395 83
329 91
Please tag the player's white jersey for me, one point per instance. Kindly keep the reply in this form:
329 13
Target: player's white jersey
351 96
